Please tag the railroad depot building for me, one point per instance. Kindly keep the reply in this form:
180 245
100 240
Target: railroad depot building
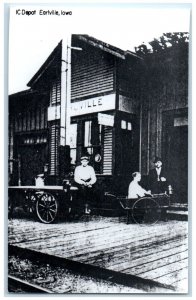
93 96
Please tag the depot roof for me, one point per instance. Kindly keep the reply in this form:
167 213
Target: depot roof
52 59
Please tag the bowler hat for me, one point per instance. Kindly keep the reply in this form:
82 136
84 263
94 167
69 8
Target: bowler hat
157 159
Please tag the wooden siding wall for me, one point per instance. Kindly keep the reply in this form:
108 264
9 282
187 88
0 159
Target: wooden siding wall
55 92
27 126
107 150
129 80
91 74
168 91
54 145
33 118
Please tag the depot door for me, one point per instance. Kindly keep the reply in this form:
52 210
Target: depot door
32 159
126 151
175 149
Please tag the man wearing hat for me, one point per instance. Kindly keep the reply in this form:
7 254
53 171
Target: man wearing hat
85 178
157 177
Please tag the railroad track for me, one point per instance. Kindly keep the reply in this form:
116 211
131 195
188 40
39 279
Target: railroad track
21 286
83 269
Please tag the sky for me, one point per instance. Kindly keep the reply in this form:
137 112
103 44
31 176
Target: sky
33 37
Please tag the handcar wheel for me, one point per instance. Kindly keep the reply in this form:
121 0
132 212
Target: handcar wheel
10 208
70 204
47 208
146 210
30 202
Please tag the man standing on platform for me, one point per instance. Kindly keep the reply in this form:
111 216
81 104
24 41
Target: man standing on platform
157 178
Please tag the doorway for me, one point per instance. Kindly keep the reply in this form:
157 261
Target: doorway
175 150
33 159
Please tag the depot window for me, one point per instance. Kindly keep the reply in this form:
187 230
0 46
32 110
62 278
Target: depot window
89 136
92 138
73 142
126 125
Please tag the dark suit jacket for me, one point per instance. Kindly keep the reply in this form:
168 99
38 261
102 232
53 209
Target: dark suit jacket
156 186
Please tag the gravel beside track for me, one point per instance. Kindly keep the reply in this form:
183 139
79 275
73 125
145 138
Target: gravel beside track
60 280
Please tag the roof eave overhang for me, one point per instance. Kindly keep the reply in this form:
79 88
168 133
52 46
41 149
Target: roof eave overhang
45 66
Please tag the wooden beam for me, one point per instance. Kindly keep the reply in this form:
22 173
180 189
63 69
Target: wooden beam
65 91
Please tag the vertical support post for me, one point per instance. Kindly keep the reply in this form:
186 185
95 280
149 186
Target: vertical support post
148 144
140 140
65 91
64 148
19 170
11 148
68 102
115 130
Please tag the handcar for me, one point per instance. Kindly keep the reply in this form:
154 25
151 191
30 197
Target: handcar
48 202
45 202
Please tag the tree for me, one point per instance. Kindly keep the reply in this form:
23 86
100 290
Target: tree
165 42
164 67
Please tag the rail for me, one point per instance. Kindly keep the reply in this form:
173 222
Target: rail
96 272
16 284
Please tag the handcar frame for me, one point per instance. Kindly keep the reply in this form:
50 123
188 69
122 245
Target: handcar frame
47 202
44 202
148 209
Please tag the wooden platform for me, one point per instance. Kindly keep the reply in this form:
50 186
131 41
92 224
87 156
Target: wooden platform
157 252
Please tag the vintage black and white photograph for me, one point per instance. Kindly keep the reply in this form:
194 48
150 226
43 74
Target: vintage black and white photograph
98 173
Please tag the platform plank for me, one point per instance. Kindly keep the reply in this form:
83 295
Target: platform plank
78 242
172 265
38 231
129 259
129 244
153 252
161 266
176 278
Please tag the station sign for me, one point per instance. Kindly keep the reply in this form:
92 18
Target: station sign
53 113
93 105
105 119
